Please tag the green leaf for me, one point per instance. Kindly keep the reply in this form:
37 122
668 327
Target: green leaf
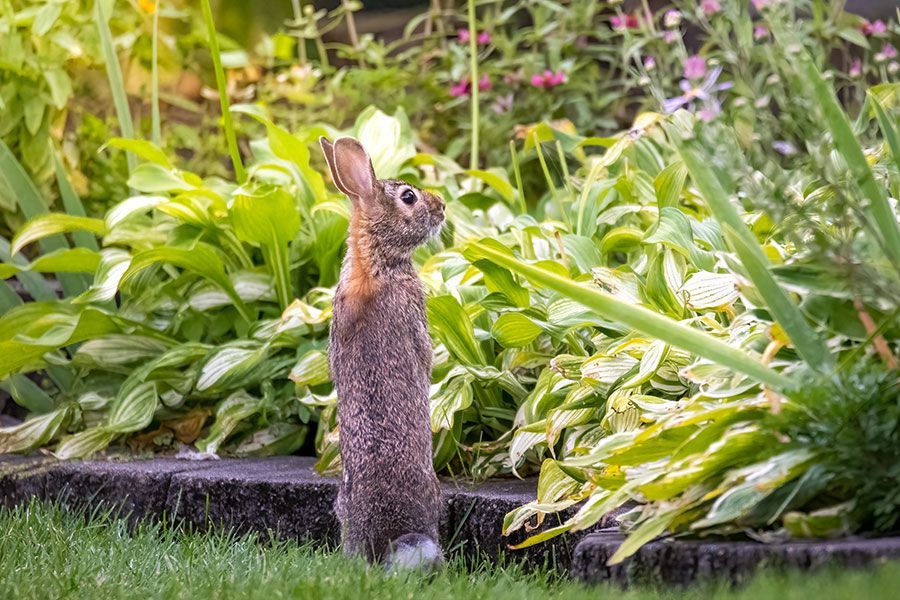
639 318
500 280
229 414
85 443
154 178
669 184
311 369
34 432
514 330
704 290
229 363
387 139
498 180
114 75
51 224
265 216
449 397
133 410
67 260
142 149
454 328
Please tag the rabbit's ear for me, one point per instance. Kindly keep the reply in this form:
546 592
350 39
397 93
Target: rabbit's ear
352 169
328 151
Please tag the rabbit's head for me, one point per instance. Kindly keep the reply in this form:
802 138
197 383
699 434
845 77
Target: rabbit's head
390 217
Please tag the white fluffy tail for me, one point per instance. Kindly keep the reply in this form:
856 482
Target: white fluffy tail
414 551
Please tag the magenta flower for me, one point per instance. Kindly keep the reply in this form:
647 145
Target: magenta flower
484 38
548 79
463 35
760 32
484 84
876 28
855 68
888 51
623 22
694 67
710 7
460 88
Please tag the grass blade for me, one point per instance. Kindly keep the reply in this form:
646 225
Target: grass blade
788 315
227 121
114 74
636 317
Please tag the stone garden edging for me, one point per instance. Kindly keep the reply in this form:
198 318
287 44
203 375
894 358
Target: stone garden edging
285 495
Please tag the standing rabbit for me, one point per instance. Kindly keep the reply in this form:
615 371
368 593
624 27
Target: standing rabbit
380 356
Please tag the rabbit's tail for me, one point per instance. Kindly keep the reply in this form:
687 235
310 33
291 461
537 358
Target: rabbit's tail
414 551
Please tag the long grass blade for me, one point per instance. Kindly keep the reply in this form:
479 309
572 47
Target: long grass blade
114 74
788 315
637 317
155 123
227 121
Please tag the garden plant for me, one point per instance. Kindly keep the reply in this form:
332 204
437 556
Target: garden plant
668 278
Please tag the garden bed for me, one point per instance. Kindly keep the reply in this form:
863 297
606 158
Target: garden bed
285 496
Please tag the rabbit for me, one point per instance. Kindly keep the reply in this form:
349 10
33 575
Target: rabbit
389 500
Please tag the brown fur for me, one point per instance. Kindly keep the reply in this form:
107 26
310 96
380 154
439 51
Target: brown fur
380 357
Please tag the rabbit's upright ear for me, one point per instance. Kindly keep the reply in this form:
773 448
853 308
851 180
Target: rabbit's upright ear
351 168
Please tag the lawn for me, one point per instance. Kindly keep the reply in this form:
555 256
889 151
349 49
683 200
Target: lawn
46 552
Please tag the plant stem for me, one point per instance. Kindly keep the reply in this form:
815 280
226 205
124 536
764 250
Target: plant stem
227 121
116 84
351 29
301 41
156 127
473 78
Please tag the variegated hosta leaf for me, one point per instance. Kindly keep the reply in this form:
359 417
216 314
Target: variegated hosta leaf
514 330
276 439
311 369
651 361
85 443
93 401
448 397
114 262
35 432
621 284
229 363
553 487
575 410
525 439
705 290
229 414
131 206
568 366
114 350
608 369
621 413
133 409
251 286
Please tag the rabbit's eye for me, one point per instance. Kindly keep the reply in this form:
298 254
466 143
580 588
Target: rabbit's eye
408 197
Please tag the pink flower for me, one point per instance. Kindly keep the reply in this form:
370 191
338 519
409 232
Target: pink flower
484 84
694 67
502 104
760 4
888 51
670 36
710 7
672 18
484 38
623 22
855 68
548 79
760 32
649 63
463 36
460 88
876 28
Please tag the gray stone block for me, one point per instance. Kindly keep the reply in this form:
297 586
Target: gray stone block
280 495
23 478
681 562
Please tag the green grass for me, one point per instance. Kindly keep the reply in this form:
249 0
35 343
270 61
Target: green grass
46 552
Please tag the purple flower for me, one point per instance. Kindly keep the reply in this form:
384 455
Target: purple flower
649 63
876 28
784 148
484 38
710 7
760 32
672 18
484 84
463 36
855 68
502 104
889 51
694 67
670 36
703 93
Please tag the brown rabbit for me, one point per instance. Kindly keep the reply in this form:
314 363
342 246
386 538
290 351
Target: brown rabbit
389 501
